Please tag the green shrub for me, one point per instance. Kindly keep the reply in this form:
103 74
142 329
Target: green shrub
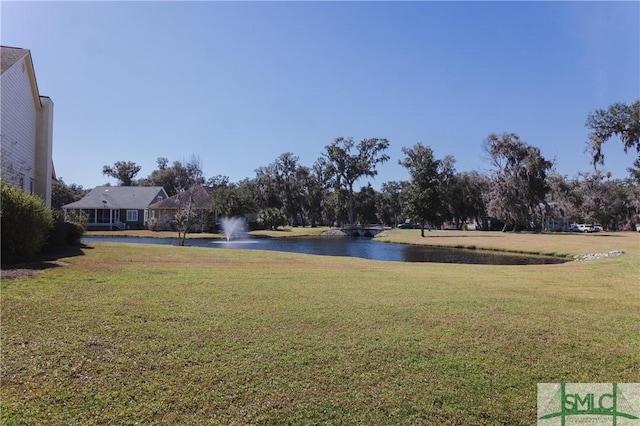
65 234
77 217
25 221
272 218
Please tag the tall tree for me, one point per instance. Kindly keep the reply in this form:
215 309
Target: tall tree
463 197
243 198
365 202
620 120
122 171
62 194
519 180
633 188
561 197
634 171
218 185
388 202
602 200
177 177
422 196
446 185
347 166
289 181
317 191
266 182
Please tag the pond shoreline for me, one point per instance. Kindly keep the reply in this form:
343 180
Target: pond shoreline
490 242
367 248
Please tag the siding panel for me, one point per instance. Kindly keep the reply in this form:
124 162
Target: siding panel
18 117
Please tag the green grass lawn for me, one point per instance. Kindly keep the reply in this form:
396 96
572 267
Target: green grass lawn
126 334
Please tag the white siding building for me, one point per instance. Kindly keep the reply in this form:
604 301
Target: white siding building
26 126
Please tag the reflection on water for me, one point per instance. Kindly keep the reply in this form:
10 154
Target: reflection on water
352 247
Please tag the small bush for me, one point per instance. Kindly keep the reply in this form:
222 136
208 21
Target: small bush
26 221
65 234
152 224
272 218
74 232
78 217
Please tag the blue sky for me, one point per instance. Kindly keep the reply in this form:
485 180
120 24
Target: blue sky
239 83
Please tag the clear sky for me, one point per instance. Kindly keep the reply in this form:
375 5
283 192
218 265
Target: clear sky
239 83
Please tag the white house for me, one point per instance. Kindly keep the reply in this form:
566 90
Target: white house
26 126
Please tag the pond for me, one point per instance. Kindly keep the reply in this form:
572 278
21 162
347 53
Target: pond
353 247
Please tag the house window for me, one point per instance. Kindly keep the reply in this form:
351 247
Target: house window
31 186
103 216
132 215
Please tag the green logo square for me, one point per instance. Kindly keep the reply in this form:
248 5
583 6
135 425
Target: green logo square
601 404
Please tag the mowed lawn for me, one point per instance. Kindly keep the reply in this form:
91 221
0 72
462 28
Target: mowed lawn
144 334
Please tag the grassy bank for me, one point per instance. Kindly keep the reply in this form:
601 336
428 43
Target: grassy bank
185 335
560 244
283 232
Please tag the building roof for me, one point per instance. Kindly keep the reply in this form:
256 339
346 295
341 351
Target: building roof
118 197
10 55
181 200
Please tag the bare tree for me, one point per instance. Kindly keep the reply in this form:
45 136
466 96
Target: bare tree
185 216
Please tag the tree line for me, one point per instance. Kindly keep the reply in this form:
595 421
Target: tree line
521 189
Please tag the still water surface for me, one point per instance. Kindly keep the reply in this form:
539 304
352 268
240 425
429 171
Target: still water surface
353 247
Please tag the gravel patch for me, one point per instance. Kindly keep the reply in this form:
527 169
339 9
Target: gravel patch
593 256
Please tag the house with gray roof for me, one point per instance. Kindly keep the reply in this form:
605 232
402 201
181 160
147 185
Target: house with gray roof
117 207
26 139
195 199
